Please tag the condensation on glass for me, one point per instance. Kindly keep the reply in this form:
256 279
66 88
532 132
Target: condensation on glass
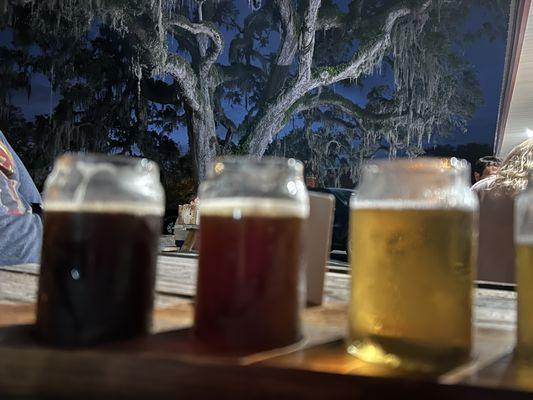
250 287
102 219
413 237
524 271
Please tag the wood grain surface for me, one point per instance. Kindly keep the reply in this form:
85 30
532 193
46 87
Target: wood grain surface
169 364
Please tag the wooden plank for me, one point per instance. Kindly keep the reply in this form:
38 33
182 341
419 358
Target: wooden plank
167 365
16 287
490 345
140 376
505 373
21 288
176 276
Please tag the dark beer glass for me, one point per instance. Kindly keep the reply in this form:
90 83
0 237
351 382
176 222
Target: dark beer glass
102 219
249 291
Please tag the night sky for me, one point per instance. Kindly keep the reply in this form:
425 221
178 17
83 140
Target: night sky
487 58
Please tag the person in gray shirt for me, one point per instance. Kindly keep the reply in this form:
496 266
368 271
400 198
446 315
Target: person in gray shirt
21 229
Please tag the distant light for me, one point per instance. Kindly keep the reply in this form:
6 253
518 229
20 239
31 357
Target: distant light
529 133
219 167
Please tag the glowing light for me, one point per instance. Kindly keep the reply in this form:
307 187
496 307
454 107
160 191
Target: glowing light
237 214
219 167
291 187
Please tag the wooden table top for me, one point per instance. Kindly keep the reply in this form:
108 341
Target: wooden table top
165 365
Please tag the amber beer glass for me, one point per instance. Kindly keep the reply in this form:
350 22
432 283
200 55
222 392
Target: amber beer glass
249 290
413 238
524 272
102 219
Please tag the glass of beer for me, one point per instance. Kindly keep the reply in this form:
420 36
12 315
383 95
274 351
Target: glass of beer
249 290
102 219
524 272
413 239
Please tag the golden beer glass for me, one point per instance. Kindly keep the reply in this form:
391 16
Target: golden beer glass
413 241
524 272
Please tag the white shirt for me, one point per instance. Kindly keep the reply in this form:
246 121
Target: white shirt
483 184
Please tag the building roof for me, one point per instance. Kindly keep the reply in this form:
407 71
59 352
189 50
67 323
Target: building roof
515 117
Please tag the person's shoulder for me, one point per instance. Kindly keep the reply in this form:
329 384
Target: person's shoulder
483 184
7 161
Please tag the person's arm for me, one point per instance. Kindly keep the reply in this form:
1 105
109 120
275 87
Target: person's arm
20 229
27 189
20 239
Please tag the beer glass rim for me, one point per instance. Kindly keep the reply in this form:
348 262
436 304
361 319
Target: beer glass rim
117 160
291 164
422 165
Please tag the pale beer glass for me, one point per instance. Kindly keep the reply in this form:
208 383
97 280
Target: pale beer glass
524 271
250 289
413 240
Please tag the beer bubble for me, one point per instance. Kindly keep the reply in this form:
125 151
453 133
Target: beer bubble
75 274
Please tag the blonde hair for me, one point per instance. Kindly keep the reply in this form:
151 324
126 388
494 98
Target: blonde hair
513 173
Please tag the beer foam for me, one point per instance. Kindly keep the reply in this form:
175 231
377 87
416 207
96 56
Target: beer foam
103 207
524 239
249 206
411 205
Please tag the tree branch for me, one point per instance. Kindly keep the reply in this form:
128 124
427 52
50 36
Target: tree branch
224 120
208 30
186 79
341 103
367 56
270 119
253 23
307 46
280 70
330 22
239 72
289 36
330 117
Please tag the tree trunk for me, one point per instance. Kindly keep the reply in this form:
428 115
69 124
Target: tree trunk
267 125
264 130
202 136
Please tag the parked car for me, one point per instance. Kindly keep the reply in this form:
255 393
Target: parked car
341 219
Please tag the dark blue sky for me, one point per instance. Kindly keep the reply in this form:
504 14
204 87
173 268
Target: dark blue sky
487 58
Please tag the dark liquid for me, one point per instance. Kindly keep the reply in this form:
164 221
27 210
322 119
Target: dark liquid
248 294
97 277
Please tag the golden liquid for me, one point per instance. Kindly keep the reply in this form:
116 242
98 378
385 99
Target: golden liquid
524 277
411 299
